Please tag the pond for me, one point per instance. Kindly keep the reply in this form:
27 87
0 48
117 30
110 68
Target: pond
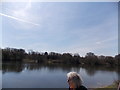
28 75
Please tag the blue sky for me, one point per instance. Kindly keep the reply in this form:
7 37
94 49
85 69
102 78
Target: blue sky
74 27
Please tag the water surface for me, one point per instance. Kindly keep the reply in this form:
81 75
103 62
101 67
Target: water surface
26 75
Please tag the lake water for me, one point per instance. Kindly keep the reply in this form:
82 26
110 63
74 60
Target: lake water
26 75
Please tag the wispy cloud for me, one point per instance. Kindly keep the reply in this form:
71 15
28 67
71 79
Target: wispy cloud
19 19
107 40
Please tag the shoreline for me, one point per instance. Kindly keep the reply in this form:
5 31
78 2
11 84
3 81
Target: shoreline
112 86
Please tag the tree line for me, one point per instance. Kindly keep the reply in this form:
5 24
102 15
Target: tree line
13 54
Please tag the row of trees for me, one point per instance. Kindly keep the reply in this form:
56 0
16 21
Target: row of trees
12 54
9 54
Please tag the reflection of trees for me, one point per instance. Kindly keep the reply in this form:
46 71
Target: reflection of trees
0 66
119 74
92 70
51 67
18 67
12 67
63 67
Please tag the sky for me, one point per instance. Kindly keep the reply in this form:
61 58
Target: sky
61 27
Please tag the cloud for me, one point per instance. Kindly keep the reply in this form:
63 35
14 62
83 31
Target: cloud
65 32
107 40
20 13
19 19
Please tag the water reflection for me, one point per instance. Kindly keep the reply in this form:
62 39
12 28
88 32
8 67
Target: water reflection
19 67
93 70
19 74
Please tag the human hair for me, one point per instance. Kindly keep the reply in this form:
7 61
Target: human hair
75 78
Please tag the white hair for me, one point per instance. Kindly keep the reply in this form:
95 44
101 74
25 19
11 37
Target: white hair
75 78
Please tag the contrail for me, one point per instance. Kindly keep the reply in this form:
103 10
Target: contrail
19 19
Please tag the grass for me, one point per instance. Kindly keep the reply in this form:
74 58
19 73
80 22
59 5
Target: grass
113 86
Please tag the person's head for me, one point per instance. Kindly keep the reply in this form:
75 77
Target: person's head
74 80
